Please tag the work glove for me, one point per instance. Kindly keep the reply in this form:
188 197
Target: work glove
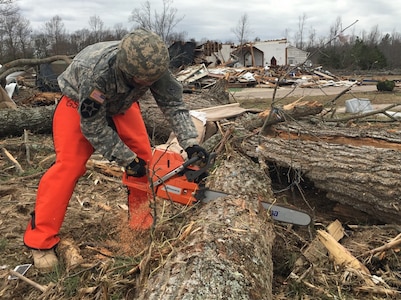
199 151
136 168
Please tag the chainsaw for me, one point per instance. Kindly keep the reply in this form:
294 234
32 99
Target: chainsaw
182 181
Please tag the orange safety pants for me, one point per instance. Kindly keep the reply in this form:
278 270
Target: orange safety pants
72 152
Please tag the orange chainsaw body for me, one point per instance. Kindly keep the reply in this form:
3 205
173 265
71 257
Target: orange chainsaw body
177 188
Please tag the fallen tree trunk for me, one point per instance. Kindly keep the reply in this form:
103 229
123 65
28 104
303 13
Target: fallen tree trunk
227 254
24 63
360 172
35 119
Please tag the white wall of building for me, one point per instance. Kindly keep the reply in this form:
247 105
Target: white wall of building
274 48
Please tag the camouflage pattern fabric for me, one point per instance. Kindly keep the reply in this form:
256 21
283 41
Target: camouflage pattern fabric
143 55
101 91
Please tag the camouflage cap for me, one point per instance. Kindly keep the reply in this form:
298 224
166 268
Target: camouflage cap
143 55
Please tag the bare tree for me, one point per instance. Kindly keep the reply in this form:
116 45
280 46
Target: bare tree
374 37
299 36
335 30
119 31
242 30
286 33
96 27
41 45
79 40
312 38
4 6
23 32
163 23
55 32
15 32
7 18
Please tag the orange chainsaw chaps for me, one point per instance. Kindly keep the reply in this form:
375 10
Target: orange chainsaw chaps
177 189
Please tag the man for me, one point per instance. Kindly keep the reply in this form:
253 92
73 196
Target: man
99 111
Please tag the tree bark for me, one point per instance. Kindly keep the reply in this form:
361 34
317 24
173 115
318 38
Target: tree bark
35 119
355 169
227 254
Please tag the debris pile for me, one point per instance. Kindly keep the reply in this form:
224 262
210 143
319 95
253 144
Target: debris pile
198 77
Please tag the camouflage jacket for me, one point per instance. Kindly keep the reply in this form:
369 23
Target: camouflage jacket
93 80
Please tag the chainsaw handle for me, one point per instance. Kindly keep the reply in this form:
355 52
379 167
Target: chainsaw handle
191 161
191 175
177 170
194 174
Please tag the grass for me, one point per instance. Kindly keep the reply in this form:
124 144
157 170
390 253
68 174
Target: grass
3 245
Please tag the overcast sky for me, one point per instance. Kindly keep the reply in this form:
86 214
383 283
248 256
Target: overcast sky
215 19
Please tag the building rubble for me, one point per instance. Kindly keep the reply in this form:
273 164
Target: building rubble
199 77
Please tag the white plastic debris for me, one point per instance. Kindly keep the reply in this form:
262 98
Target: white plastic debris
200 115
358 105
10 89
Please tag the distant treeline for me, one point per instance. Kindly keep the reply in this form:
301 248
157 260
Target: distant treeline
368 51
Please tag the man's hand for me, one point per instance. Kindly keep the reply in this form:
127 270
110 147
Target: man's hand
198 151
136 168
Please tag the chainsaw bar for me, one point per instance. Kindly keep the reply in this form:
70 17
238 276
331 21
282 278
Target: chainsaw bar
278 213
288 215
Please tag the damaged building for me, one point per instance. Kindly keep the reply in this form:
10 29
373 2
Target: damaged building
257 54
270 53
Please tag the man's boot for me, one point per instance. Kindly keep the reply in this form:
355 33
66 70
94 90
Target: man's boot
44 260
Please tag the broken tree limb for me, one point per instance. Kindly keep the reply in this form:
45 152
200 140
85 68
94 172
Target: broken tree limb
38 286
366 178
392 244
20 64
356 166
343 92
315 251
291 111
367 114
343 257
13 160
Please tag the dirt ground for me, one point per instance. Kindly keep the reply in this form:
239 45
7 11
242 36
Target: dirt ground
96 223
